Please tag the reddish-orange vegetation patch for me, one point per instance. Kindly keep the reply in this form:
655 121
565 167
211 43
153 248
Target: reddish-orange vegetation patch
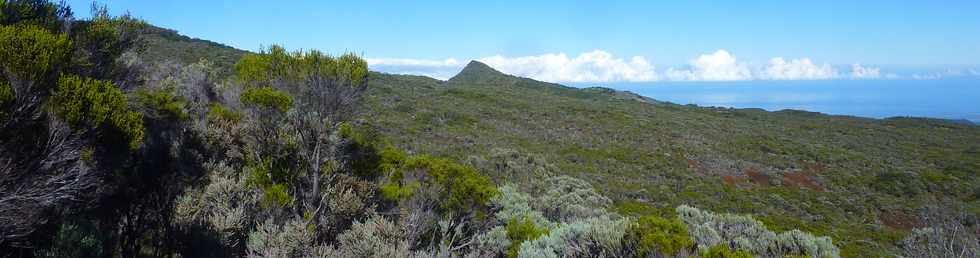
757 177
691 163
730 180
816 168
802 179
899 220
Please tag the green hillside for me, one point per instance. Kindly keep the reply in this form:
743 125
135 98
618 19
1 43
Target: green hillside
858 180
121 139
861 181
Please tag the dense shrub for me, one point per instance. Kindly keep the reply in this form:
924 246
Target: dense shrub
512 204
267 97
521 230
33 54
656 235
73 240
163 104
276 195
221 113
899 183
375 237
565 198
289 239
87 102
722 251
462 189
223 205
46 14
745 233
592 237
6 94
946 233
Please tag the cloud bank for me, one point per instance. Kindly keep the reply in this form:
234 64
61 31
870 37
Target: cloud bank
797 69
439 69
595 66
602 66
717 66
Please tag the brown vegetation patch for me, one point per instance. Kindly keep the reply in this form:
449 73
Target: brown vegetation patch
899 220
802 179
757 177
729 180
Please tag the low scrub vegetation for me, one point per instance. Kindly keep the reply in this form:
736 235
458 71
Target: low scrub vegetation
108 149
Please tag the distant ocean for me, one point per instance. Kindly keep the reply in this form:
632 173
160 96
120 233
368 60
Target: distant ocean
942 98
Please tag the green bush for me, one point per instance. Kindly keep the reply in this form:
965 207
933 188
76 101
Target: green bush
6 94
32 53
745 233
267 97
276 63
722 251
521 230
276 195
653 235
47 14
101 41
222 113
163 103
463 188
74 240
395 191
87 102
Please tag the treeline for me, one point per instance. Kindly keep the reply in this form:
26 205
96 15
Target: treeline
105 155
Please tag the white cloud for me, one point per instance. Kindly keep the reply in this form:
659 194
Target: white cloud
439 69
602 66
718 66
861 72
797 69
450 62
595 66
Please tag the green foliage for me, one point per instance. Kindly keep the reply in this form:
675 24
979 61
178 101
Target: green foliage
74 240
276 195
255 70
392 159
898 183
222 113
521 230
745 233
32 53
163 103
395 191
722 251
366 159
592 237
352 68
41 13
664 155
463 188
654 235
6 94
267 97
87 102
101 40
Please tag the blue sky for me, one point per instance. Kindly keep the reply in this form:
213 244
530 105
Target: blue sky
603 40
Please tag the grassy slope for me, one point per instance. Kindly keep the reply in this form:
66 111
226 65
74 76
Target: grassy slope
857 180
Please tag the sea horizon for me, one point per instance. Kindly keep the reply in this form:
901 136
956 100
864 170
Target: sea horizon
950 98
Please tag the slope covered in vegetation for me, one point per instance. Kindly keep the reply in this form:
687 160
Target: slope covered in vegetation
862 181
124 140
